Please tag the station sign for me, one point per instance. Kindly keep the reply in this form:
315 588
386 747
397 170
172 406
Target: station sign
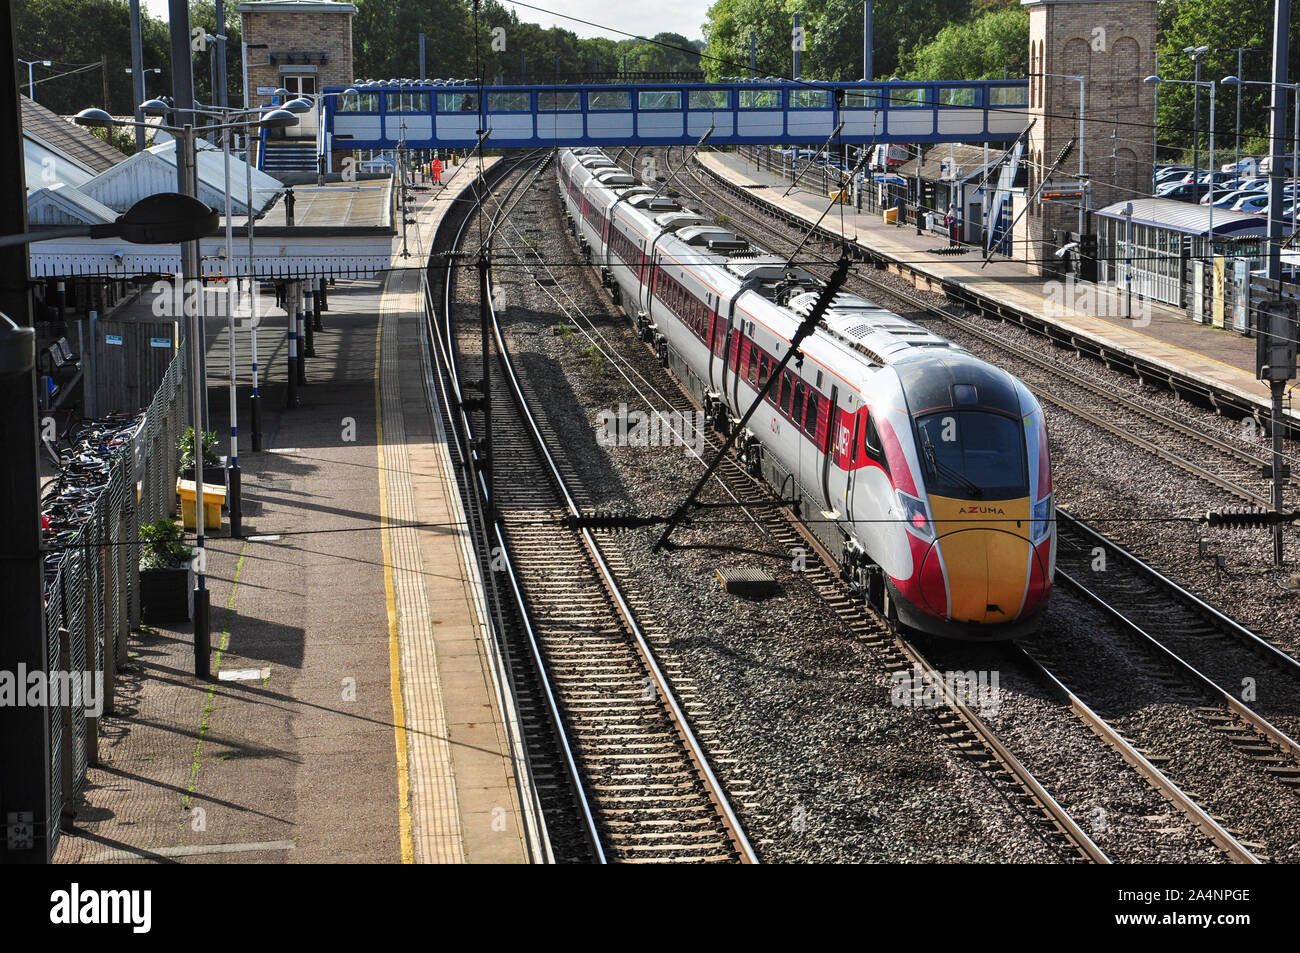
1065 192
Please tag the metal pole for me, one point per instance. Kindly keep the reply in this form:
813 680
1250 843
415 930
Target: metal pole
299 301
24 729
255 401
1155 125
1237 167
1210 188
222 99
190 274
1279 324
753 56
423 74
1295 159
796 47
232 469
868 8
1128 261
1196 133
1083 193
178 12
309 336
291 308
137 74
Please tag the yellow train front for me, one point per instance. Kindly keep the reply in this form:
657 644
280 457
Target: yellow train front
973 490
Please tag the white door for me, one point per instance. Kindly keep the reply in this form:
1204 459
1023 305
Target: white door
304 85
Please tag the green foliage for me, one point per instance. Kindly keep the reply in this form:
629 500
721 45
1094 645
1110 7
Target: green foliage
123 140
76 33
833 35
164 545
596 364
994 42
1222 25
386 43
563 330
185 445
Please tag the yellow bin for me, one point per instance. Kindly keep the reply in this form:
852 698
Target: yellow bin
214 497
891 216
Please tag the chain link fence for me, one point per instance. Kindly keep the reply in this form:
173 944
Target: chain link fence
93 602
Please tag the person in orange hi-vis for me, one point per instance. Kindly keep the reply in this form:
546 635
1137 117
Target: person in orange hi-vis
436 168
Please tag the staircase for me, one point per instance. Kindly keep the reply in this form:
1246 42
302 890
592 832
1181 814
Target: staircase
999 209
288 155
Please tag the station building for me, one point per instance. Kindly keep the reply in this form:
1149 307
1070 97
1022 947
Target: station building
1175 259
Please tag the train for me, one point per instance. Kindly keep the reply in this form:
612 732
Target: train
921 468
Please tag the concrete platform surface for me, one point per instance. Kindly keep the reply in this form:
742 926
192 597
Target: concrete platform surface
355 711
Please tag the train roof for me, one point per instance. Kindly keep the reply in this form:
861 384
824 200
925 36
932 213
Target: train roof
956 380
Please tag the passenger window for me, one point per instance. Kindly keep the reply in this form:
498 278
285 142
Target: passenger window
810 414
785 394
796 409
871 437
764 369
754 359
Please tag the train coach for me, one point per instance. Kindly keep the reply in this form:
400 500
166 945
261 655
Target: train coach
923 469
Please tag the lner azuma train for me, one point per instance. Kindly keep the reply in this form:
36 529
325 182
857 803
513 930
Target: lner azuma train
921 468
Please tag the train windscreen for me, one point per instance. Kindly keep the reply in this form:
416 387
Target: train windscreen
973 455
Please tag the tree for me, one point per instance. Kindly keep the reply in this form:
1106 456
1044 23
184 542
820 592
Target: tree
1222 25
982 49
833 35
43 31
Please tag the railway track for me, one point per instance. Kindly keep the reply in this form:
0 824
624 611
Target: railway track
1209 457
1147 605
639 775
965 731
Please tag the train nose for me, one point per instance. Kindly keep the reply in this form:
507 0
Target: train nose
979 575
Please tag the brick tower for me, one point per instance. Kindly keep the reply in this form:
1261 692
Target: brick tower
1111 44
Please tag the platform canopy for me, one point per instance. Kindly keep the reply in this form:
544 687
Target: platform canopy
382 115
340 229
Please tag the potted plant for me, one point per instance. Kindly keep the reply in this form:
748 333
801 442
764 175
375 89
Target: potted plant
166 573
214 466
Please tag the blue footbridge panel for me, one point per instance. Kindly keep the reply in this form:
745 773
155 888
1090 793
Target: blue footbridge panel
451 115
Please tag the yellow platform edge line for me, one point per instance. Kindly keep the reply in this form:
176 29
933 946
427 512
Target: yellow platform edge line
390 603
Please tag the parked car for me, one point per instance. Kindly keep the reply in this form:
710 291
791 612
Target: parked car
1181 191
1228 199
1255 204
1169 172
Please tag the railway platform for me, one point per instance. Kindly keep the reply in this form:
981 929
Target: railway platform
357 710
1162 344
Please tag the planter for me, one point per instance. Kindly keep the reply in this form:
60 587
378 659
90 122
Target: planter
166 595
212 473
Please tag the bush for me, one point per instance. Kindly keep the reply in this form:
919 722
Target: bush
163 545
186 447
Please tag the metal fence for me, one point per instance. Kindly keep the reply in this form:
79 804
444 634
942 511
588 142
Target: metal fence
94 600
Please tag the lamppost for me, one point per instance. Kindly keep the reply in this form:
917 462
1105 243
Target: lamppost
143 73
31 77
1196 176
1196 52
1295 133
239 118
185 160
320 127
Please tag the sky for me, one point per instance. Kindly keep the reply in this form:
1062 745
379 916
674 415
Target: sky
676 16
